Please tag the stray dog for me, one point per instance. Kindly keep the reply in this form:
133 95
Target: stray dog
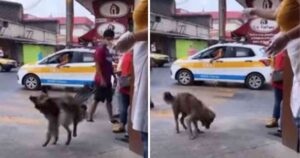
59 111
189 106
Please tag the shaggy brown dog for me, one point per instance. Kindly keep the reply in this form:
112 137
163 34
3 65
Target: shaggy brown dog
59 111
189 106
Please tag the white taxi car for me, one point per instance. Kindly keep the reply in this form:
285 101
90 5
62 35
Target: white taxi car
241 63
79 71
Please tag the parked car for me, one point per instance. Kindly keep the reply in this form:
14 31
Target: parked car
7 64
158 59
241 63
78 72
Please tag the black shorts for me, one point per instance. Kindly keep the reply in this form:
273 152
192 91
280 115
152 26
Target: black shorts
103 94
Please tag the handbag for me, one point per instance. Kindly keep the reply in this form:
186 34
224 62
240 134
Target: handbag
277 76
124 81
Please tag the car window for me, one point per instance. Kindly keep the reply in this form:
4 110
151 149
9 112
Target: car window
55 59
229 52
208 54
88 57
243 52
77 57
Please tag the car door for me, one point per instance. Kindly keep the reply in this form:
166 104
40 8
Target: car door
234 65
81 69
201 66
50 74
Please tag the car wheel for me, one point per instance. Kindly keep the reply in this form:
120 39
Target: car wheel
185 77
32 82
255 81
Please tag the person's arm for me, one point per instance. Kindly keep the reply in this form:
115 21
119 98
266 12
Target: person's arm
64 62
267 14
127 40
281 41
141 35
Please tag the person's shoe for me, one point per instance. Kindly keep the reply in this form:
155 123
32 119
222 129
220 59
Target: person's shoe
272 124
118 128
277 134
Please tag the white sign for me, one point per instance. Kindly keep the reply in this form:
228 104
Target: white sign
266 4
263 26
114 9
118 28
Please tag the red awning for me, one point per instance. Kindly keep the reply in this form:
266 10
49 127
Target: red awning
89 36
241 31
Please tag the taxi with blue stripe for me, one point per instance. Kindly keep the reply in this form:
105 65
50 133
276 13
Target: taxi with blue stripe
77 72
240 63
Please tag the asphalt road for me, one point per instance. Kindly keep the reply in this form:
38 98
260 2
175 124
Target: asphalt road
23 129
238 130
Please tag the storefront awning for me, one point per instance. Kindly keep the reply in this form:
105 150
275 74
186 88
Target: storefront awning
89 36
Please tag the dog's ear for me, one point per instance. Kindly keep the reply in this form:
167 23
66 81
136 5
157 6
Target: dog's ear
168 96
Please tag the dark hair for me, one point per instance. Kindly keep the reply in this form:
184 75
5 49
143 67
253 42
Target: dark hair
109 33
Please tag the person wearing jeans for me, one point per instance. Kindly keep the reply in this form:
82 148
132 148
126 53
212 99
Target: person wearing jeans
278 90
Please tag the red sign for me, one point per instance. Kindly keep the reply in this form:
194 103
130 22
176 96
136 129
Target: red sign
113 15
258 30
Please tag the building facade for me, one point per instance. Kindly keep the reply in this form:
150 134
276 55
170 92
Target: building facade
174 34
16 34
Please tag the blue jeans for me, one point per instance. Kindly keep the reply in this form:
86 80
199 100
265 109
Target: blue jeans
145 142
125 99
277 106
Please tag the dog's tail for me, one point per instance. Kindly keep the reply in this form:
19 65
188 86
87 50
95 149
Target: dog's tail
168 97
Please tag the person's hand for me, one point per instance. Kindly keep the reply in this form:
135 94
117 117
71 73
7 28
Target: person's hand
125 42
58 66
278 44
211 61
249 11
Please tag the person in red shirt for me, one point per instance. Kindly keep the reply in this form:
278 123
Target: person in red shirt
104 72
278 90
124 87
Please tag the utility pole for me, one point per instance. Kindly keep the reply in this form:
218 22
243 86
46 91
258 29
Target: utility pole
222 20
69 22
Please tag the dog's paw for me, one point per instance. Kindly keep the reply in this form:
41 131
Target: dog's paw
74 135
177 132
44 145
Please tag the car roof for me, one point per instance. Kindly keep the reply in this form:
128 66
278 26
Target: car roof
238 45
77 50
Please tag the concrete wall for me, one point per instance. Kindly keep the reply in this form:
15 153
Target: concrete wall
31 52
172 25
183 46
51 26
200 20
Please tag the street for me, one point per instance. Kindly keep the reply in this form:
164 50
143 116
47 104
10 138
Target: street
23 129
238 130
